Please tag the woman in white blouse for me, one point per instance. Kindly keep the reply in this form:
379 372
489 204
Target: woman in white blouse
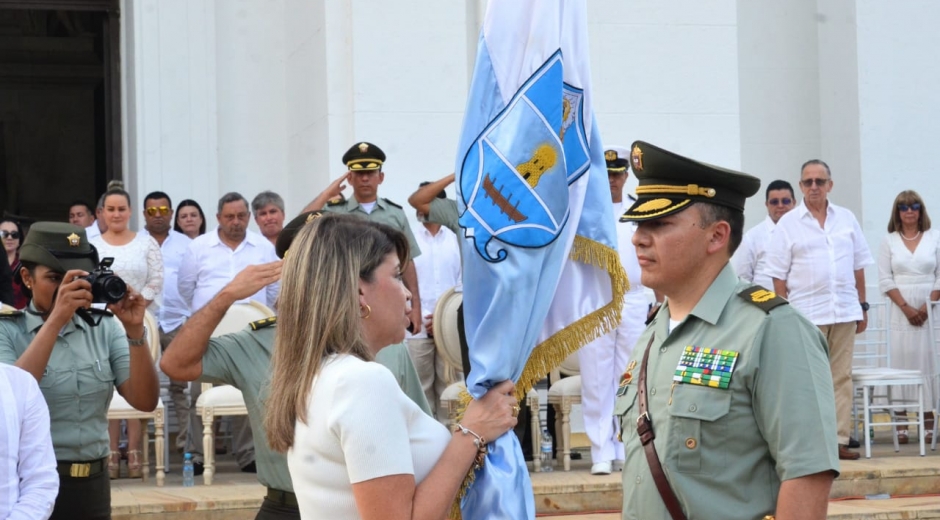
909 274
138 261
357 447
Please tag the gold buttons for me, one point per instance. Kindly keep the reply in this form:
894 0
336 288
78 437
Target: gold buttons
691 443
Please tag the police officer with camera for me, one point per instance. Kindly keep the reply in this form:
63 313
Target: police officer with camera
79 354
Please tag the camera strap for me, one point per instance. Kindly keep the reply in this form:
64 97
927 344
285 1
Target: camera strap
88 315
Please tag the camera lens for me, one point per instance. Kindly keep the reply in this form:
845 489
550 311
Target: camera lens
112 288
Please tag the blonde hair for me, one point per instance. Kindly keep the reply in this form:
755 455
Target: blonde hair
908 197
318 310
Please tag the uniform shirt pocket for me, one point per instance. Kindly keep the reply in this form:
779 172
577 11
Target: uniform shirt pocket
699 432
623 408
95 378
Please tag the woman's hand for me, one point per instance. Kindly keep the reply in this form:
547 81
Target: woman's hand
74 293
494 414
130 310
914 317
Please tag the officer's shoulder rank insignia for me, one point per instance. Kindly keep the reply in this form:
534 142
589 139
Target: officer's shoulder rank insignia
338 201
10 314
761 297
392 203
706 367
260 324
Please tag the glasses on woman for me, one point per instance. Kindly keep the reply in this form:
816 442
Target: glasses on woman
9 234
786 201
808 183
153 210
909 207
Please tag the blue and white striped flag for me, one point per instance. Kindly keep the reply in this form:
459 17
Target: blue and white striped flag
541 273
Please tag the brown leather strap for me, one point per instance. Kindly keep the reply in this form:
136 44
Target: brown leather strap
644 429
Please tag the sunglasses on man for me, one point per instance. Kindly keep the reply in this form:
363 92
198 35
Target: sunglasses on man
786 201
808 183
909 207
9 234
153 210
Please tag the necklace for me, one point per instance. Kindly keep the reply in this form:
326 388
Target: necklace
909 239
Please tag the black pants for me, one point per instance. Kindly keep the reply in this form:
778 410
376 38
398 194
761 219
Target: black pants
271 510
86 498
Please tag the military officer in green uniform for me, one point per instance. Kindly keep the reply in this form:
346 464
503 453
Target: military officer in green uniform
364 164
439 210
79 356
242 359
727 409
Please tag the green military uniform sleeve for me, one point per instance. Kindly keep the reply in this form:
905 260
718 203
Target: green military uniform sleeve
444 212
396 359
224 357
119 354
9 332
794 381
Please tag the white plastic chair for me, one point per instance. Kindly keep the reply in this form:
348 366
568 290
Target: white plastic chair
225 399
876 371
120 409
562 394
933 321
447 341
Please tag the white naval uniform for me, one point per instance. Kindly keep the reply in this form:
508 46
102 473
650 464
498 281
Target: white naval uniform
603 360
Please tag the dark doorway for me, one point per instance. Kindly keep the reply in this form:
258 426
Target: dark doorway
60 118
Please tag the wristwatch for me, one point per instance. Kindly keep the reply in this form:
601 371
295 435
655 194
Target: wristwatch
865 306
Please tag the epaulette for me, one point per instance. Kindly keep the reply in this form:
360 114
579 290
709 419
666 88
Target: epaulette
761 297
336 202
9 314
392 203
260 324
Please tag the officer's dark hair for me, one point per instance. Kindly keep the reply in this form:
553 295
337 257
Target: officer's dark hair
778 185
18 276
157 195
711 213
115 188
232 196
819 162
441 194
91 210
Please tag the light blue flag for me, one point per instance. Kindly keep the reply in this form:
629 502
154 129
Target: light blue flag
535 210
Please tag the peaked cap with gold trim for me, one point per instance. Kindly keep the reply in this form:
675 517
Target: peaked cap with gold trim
288 232
670 183
618 159
59 246
364 156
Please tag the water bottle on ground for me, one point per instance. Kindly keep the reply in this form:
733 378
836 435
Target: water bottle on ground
546 451
188 470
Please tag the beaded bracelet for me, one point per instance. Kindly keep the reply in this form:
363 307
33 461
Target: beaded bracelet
479 442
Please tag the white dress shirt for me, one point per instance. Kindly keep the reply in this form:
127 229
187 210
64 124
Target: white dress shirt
29 483
819 263
92 231
438 268
173 311
749 261
209 265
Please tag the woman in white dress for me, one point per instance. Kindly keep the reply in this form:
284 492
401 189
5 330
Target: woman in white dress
138 261
909 274
356 446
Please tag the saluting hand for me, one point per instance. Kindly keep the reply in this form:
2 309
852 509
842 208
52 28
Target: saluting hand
252 279
335 189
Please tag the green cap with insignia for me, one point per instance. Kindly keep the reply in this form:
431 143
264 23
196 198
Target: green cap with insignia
670 183
618 159
364 156
287 234
59 246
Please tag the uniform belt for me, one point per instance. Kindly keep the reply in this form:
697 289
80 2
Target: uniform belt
81 469
282 497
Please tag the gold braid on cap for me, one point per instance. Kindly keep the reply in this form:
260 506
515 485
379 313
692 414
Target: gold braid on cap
666 189
620 169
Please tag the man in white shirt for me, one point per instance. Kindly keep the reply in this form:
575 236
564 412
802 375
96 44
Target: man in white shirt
210 263
748 261
29 482
81 214
98 225
603 359
268 208
817 259
158 218
438 270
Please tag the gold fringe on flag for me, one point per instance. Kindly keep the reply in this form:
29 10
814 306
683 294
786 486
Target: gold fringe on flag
550 353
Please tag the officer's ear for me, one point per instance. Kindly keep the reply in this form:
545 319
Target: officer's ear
719 236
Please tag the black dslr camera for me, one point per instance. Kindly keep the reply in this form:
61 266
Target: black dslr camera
106 287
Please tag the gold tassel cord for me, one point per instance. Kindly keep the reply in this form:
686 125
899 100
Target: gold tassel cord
550 353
